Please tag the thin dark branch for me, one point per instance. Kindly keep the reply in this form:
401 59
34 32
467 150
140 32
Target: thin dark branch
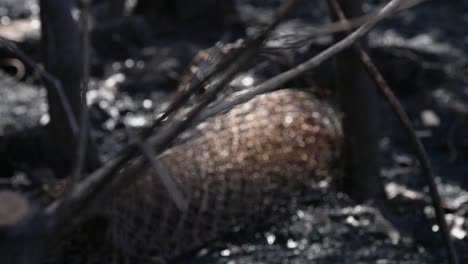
83 135
167 181
303 35
391 99
181 99
279 80
47 78
159 170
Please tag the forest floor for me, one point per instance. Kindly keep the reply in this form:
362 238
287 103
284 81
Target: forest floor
423 52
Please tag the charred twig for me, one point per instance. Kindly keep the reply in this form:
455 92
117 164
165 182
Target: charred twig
180 99
280 79
62 57
306 34
83 135
391 99
158 168
160 171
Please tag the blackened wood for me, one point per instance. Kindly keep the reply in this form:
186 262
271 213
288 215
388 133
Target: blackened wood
61 56
359 103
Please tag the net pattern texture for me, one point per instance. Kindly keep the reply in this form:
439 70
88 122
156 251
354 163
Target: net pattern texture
242 169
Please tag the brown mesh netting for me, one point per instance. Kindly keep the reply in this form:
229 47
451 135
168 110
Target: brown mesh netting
244 168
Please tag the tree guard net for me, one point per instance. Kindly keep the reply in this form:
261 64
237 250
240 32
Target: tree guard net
242 169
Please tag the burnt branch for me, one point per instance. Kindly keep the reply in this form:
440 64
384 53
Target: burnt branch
303 35
168 182
62 58
279 80
84 122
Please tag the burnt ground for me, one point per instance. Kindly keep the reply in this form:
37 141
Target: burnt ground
422 53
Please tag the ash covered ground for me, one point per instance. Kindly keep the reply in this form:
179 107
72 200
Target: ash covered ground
423 54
